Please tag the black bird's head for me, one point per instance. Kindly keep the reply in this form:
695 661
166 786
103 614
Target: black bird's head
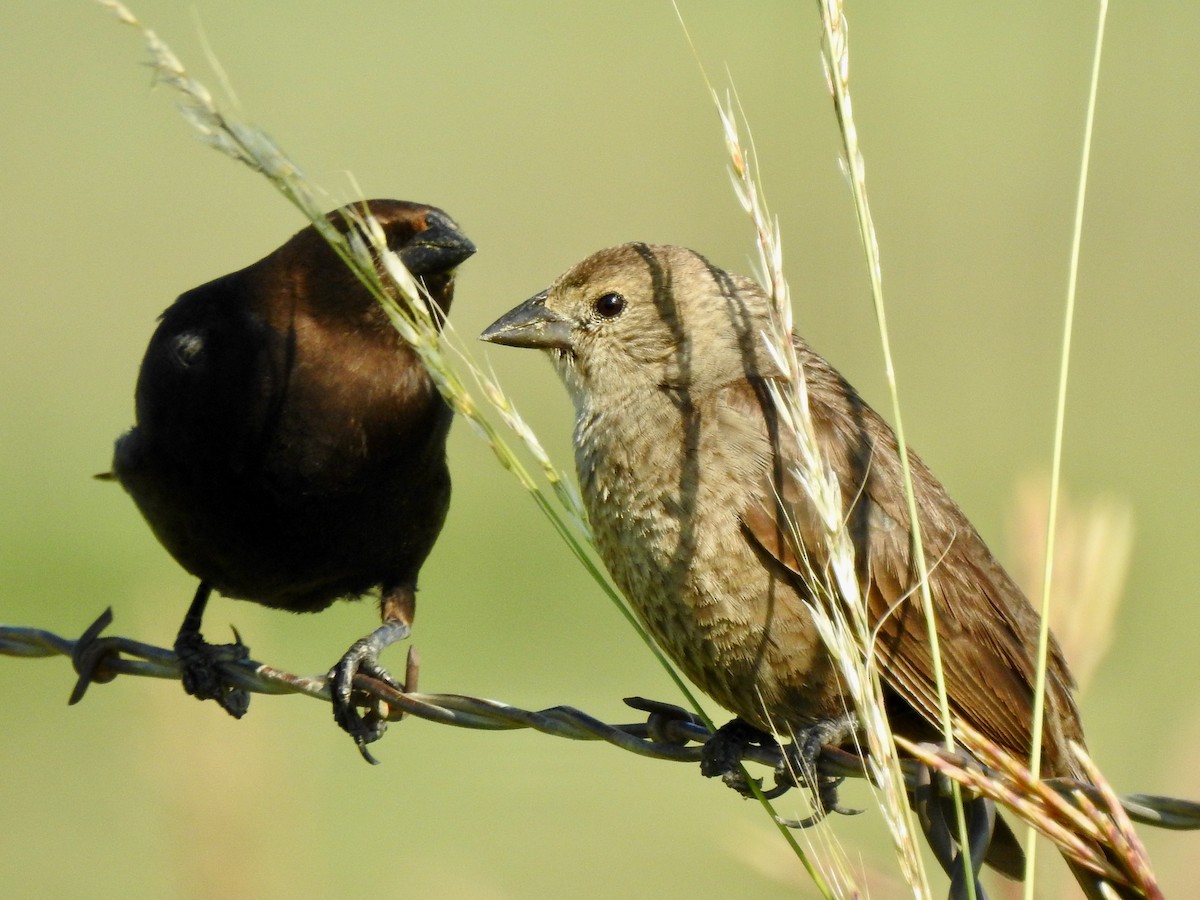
429 243
305 273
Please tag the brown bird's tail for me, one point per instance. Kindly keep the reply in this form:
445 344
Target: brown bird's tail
1004 854
1090 826
1098 887
1122 853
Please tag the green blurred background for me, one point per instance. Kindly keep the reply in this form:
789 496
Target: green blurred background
548 130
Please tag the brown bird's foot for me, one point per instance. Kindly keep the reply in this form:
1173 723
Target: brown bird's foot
200 662
363 658
799 768
722 754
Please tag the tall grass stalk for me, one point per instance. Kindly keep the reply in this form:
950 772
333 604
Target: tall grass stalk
840 615
836 56
1039 695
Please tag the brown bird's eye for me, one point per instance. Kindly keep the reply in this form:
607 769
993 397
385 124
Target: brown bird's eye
610 305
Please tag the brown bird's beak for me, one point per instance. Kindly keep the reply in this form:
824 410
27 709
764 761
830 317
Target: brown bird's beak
531 324
439 248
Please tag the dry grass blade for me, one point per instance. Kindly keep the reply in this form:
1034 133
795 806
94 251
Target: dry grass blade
1034 802
1101 839
365 252
841 616
1118 828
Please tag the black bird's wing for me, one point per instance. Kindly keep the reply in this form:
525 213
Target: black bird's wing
206 392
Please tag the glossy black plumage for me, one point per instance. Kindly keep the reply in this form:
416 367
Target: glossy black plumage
290 446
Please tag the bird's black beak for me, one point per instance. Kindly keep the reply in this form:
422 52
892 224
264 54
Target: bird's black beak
532 324
439 248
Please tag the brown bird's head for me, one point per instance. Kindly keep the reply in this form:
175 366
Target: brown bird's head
641 317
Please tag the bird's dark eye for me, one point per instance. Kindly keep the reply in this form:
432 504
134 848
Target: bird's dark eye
610 305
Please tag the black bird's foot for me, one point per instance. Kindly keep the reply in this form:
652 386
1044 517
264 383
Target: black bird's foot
200 665
722 754
363 658
200 662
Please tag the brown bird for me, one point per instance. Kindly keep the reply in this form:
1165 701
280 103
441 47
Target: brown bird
689 478
290 447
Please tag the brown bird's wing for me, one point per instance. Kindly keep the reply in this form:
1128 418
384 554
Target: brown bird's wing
986 628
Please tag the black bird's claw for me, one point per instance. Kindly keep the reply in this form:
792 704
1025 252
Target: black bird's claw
722 754
363 659
200 666
364 728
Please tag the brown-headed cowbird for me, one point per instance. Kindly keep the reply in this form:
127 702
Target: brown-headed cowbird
690 481
290 447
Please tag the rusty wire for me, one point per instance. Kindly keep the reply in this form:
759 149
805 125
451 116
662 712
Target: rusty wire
669 731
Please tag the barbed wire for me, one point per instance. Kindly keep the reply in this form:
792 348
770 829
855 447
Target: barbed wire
669 732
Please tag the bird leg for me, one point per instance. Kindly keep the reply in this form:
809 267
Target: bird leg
396 607
200 662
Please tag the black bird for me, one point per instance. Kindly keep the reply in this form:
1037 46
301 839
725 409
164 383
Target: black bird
290 447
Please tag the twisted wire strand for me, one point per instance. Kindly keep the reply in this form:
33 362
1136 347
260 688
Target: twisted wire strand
669 731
